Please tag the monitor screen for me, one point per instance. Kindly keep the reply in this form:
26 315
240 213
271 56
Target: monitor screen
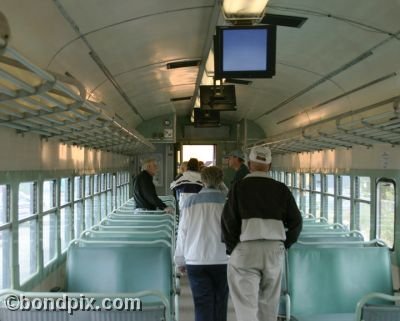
245 51
222 98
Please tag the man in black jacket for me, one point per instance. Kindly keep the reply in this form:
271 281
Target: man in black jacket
259 220
144 191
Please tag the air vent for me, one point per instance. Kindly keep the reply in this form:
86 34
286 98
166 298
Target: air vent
183 64
238 81
283 20
181 98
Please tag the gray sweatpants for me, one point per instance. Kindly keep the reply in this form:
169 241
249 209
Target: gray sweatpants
254 277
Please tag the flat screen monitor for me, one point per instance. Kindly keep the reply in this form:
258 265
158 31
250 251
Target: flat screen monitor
222 98
245 51
206 118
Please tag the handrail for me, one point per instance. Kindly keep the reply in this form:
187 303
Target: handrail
371 242
153 242
337 233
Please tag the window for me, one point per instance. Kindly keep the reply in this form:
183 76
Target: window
5 257
49 228
329 198
5 240
49 194
316 195
385 205
344 201
289 179
65 196
4 204
363 205
49 237
88 189
65 227
27 200
27 230
27 241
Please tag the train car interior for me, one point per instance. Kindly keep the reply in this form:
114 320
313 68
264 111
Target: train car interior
90 89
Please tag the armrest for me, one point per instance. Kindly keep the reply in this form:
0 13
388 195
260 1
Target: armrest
364 300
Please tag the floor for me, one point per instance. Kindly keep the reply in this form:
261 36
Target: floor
186 308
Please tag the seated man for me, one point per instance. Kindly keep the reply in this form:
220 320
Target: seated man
144 191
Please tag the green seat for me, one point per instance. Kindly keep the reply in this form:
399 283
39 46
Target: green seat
332 280
120 269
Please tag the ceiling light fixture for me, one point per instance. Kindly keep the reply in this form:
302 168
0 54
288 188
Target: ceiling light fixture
237 10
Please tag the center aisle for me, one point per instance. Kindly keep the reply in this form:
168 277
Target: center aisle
186 307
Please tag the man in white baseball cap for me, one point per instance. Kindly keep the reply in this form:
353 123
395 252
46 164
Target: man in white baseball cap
260 219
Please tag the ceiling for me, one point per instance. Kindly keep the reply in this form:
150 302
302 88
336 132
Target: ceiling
344 58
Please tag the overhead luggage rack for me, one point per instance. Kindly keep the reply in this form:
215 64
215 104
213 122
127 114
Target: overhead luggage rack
33 100
374 124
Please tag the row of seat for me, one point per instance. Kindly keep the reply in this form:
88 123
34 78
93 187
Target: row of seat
331 274
127 255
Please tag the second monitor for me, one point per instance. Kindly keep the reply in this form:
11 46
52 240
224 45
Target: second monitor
222 98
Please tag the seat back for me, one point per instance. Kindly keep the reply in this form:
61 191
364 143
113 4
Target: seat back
117 269
332 280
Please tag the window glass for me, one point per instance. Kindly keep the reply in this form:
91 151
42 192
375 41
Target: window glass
49 195
26 199
365 219
386 212
364 185
307 181
88 213
297 179
317 205
317 182
5 257
103 205
306 202
103 182
109 202
330 184
96 183
65 227
289 179
27 241
330 206
78 219
345 187
346 214
77 188
96 209
87 185
65 191
49 237
4 206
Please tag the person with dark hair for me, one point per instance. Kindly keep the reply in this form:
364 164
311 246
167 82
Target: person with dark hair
144 191
199 249
189 183
236 161
259 220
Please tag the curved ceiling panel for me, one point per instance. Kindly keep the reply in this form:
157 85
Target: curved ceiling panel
344 57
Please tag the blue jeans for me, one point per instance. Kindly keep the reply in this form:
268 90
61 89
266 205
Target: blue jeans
209 286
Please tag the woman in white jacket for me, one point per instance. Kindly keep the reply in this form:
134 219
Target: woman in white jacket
200 251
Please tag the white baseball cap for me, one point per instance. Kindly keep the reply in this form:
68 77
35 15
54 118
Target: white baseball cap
260 154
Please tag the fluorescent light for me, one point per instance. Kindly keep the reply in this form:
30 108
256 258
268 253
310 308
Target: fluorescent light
244 8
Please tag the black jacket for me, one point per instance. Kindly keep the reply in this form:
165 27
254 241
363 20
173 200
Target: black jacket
264 200
144 192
